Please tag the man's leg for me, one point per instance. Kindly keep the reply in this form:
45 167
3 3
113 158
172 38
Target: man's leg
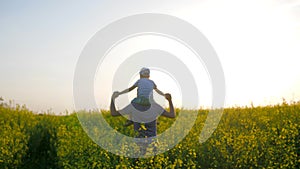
128 121
143 148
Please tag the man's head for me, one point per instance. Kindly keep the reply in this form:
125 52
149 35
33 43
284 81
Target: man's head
145 73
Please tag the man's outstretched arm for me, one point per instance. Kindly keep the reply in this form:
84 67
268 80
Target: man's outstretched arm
113 110
172 113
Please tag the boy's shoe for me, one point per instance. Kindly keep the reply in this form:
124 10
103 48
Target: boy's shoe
128 123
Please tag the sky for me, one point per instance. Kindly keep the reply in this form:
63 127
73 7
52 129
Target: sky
256 41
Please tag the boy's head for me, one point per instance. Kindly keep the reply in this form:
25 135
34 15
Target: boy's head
145 73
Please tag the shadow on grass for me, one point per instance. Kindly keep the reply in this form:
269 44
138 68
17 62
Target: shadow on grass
42 151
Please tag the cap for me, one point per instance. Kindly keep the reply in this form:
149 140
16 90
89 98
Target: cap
145 71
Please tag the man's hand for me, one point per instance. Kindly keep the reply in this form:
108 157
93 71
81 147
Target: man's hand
172 113
113 110
168 96
115 94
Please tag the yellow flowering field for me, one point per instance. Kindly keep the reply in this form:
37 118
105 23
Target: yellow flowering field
246 137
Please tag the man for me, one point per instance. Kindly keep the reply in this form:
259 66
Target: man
145 87
144 118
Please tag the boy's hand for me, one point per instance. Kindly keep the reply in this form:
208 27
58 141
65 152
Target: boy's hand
115 94
168 96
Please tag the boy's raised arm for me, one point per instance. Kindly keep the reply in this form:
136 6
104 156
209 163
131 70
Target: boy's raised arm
126 90
159 92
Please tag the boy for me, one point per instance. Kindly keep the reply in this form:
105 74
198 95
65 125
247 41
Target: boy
145 88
